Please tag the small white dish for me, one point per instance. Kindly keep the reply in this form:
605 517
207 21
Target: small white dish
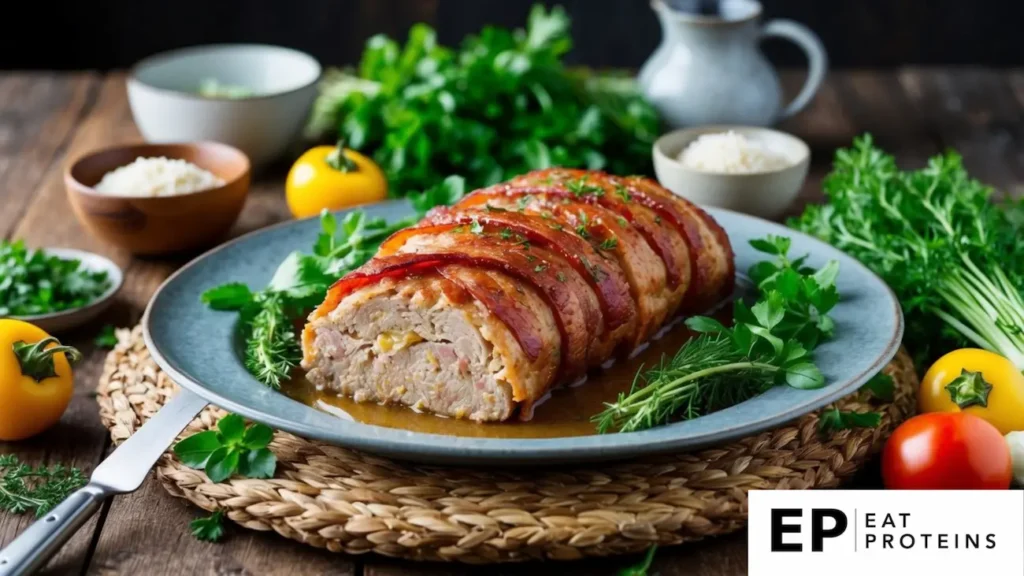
762 194
163 91
56 322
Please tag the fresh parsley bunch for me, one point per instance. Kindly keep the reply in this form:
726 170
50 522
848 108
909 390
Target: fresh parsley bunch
501 104
769 344
953 256
267 316
32 282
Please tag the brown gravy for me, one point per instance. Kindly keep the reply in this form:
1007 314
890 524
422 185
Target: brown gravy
566 412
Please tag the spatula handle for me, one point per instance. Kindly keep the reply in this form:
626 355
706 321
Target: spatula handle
36 545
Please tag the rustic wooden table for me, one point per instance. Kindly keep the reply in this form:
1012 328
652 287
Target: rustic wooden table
48 119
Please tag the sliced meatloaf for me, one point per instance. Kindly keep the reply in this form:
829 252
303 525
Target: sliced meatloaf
480 309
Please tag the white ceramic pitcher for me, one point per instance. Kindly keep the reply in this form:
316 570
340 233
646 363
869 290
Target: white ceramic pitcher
710 70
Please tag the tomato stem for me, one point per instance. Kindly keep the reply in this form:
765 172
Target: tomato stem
36 360
338 160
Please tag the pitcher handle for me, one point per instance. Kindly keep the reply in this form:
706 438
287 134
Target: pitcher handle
817 59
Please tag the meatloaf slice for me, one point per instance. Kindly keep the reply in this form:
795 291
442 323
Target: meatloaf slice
425 342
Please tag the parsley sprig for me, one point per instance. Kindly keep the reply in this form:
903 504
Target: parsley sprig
769 344
209 528
232 448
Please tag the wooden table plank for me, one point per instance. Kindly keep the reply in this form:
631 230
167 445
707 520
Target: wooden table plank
79 439
39 113
974 112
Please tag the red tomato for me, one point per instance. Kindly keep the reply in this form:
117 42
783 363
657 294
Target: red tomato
946 451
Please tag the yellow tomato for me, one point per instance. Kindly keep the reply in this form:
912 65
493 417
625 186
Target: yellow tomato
978 382
35 379
333 177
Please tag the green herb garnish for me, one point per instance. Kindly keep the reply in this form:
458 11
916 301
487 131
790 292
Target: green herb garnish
232 447
38 489
210 528
107 338
769 344
835 420
32 282
881 386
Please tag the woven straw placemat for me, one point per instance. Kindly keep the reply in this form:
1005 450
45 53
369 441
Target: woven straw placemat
349 501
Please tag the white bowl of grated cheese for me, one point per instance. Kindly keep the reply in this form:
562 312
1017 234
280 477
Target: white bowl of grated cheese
754 170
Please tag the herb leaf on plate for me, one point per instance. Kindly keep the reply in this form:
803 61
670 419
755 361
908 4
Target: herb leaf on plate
769 344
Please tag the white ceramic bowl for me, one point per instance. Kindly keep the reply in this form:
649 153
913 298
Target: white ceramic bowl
56 322
163 91
763 194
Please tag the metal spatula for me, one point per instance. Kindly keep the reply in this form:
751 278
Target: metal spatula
123 472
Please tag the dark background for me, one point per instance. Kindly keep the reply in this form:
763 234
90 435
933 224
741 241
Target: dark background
107 34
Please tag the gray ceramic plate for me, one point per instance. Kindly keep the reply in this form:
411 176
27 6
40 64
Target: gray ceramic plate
198 349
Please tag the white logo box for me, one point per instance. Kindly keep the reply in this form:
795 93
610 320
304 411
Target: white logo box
914 533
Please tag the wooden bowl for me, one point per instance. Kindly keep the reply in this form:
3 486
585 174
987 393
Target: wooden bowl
167 224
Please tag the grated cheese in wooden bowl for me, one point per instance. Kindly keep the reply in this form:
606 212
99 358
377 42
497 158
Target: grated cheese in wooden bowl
730 153
160 176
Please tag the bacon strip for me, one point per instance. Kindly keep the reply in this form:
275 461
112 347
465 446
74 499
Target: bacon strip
574 317
607 280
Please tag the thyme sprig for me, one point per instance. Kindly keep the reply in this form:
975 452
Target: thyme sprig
769 344
24 488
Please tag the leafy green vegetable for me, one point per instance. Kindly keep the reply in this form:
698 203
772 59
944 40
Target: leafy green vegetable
106 338
210 528
952 256
769 344
267 317
501 104
31 282
834 420
233 447
24 488
881 386
644 565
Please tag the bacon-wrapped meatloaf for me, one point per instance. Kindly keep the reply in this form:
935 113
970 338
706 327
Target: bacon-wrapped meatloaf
481 308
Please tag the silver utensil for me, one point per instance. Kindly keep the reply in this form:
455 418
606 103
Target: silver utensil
122 472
